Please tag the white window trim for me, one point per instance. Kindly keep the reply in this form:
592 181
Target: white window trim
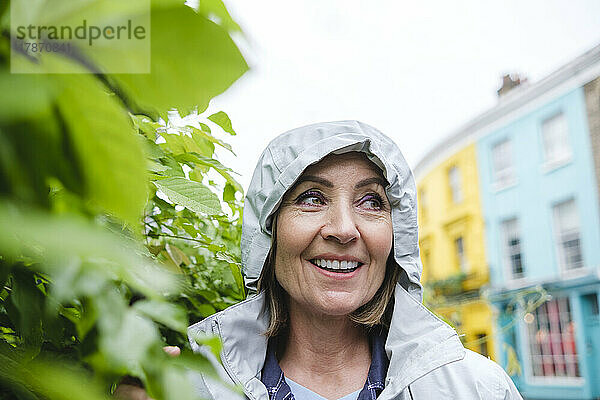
576 273
500 182
456 187
549 166
502 185
519 283
563 271
566 157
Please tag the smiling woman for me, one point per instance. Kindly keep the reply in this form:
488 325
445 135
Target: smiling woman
329 244
332 240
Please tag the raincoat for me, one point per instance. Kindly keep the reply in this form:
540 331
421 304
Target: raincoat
427 359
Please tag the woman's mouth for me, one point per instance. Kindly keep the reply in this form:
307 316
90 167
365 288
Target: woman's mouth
339 266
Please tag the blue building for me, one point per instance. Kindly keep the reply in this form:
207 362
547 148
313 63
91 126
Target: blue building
538 165
538 172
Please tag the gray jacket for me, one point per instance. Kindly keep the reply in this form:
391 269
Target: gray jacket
427 359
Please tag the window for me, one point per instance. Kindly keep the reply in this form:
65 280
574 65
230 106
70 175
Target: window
551 337
555 137
566 225
460 253
511 238
502 163
591 302
455 184
482 340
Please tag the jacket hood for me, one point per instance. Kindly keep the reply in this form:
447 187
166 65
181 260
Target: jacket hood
289 154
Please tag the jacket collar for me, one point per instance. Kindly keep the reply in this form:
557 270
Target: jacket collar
418 342
273 378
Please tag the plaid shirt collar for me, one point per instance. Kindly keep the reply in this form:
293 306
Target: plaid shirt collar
273 378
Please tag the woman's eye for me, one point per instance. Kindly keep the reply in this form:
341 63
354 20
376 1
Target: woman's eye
311 198
372 201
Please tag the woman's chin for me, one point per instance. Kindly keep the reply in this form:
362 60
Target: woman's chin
337 306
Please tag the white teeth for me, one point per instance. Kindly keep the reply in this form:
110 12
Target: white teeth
336 264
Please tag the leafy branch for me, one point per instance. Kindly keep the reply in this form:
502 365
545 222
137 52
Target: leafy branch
119 226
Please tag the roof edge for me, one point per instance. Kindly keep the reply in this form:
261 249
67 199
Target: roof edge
509 103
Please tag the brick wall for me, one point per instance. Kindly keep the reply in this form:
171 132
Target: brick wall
592 102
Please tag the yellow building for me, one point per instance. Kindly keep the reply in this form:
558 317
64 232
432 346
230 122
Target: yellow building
451 239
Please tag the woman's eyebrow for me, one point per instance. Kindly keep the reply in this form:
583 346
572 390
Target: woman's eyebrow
315 179
368 181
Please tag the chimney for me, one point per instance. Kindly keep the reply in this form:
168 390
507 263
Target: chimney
509 82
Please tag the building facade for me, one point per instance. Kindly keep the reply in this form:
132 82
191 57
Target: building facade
537 158
452 248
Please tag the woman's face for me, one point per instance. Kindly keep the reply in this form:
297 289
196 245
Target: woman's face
334 235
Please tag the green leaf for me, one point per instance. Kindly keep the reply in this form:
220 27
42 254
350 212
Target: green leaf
66 12
217 8
199 135
146 125
189 229
194 362
30 95
152 149
237 275
29 301
184 141
103 56
110 155
228 258
212 342
53 239
204 309
4 271
168 314
204 127
208 295
177 255
216 165
126 336
222 119
193 195
192 61
156 167
49 379
229 193
177 385
175 169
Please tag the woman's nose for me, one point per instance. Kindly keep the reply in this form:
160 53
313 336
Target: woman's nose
340 225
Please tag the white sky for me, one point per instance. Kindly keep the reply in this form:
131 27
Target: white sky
416 70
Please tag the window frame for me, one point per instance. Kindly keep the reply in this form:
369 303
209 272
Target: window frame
461 257
455 184
506 177
558 159
559 235
579 351
507 252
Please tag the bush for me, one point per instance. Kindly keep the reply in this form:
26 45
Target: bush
118 226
